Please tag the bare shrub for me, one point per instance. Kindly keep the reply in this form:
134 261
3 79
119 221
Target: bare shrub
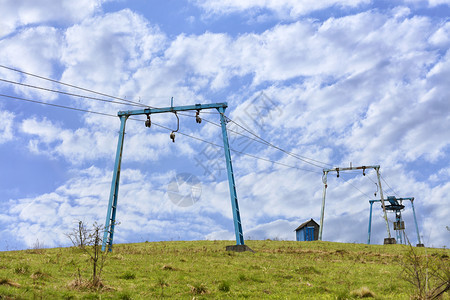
429 274
38 248
90 241
79 235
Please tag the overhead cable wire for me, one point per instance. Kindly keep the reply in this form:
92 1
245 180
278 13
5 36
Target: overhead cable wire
117 102
133 103
70 94
300 157
83 89
373 181
347 181
228 129
367 176
236 151
69 85
259 140
263 141
57 105
389 185
158 125
239 152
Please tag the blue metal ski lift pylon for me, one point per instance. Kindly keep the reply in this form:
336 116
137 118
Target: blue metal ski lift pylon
123 115
337 170
396 206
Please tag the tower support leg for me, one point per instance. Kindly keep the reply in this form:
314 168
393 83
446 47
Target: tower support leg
415 222
370 223
322 213
398 220
384 208
114 193
231 182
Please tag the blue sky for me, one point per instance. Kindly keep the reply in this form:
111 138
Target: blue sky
336 82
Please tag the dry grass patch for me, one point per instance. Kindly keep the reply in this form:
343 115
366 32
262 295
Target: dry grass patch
39 275
9 283
87 285
168 268
363 292
199 289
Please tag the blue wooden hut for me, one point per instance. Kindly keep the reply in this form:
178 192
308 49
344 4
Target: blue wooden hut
308 231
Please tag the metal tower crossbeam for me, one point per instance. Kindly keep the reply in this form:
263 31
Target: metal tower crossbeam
112 206
396 199
337 170
148 111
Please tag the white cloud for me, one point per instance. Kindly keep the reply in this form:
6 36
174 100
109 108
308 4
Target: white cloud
371 88
76 146
220 235
279 230
430 3
146 214
34 50
6 126
441 37
441 175
212 61
94 142
25 12
143 210
409 122
284 196
438 2
434 213
337 47
390 102
276 230
49 216
283 8
103 52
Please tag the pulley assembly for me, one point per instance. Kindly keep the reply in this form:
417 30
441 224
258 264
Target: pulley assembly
197 117
148 122
172 134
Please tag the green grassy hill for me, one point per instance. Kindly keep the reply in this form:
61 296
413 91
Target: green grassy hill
204 270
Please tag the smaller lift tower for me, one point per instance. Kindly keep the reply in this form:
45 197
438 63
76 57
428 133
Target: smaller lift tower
396 206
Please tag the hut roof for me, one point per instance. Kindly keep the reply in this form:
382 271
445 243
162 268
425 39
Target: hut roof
304 224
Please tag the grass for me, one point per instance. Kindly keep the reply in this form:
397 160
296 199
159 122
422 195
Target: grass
204 270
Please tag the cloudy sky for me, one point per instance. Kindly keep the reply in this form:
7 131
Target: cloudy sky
330 82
